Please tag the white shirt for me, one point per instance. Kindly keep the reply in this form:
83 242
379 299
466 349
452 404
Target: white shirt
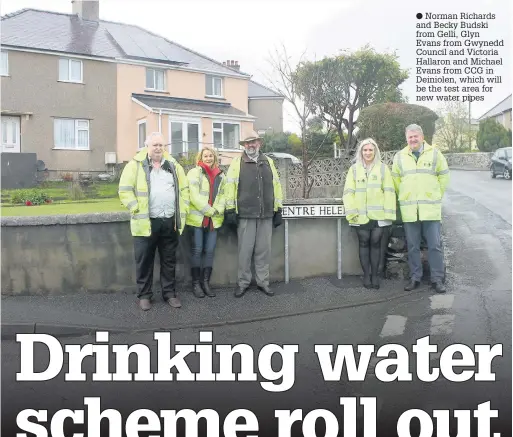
162 193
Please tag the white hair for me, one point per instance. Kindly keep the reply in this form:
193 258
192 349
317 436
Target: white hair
152 135
359 155
413 128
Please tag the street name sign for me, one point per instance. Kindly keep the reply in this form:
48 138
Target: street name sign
313 211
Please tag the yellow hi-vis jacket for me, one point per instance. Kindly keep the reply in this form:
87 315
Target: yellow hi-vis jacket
134 193
420 185
199 186
369 198
231 189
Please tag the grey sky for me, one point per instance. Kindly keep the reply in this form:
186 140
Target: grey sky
247 31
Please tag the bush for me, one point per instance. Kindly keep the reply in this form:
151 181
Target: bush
385 123
76 192
492 136
34 196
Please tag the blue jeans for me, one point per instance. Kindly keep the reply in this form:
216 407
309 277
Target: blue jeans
432 232
203 240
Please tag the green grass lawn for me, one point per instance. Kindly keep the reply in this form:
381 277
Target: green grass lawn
84 207
62 190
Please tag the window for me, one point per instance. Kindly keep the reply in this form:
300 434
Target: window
70 70
142 133
214 86
155 79
71 134
185 137
226 135
4 64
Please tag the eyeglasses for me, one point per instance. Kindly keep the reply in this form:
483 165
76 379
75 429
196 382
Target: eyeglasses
158 145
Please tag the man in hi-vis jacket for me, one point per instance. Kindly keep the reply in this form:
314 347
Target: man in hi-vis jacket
154 188
421 175
253 199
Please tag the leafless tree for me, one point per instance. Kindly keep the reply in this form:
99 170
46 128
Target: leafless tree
453 131
284 82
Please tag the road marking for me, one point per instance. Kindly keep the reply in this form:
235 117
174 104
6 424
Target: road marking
394 326
442 301
442 324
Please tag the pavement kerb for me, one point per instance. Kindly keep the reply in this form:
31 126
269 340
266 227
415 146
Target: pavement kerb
9 330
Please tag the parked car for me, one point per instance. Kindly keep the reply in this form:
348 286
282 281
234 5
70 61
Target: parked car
501 163
276 156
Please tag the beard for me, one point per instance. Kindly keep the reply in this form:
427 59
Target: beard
252 151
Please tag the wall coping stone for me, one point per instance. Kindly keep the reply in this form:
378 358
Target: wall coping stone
110 217
65 219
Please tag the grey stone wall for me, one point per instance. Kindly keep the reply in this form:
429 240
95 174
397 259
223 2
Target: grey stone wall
477 161
94 253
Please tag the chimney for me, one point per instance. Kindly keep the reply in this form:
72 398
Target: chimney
232 64
86 9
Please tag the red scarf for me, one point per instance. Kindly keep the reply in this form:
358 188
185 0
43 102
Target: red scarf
211 173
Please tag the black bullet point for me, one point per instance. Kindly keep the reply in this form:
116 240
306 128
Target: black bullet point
419 15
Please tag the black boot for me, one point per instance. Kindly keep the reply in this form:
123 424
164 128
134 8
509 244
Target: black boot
196 287
207 271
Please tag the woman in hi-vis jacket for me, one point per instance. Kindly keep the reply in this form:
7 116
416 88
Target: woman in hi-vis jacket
206 215
370 205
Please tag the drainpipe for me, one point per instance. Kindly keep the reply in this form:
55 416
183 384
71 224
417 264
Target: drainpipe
160 120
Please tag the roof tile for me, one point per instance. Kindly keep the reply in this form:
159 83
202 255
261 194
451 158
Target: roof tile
46 30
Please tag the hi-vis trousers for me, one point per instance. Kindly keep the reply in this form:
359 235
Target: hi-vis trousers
254 240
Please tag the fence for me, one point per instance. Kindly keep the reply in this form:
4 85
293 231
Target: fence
326 176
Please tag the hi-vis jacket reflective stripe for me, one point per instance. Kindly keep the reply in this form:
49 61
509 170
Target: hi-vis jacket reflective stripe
369 198
134 191
232 185
199 186
420 185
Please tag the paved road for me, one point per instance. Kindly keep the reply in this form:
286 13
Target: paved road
494 194
475 311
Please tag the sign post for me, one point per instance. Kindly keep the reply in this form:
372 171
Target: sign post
312 211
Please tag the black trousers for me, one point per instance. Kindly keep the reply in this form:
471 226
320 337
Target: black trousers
164 238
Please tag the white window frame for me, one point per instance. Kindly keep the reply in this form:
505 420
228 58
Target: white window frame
164 81
77 129
69 80
185 133
221 129
6 72
139 145
212 78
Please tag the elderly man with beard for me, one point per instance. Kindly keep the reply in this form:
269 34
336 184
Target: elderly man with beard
253 204
421 175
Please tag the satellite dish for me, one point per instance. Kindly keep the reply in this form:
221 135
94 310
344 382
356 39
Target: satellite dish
40 165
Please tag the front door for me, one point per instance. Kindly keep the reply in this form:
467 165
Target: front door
185 137
11 134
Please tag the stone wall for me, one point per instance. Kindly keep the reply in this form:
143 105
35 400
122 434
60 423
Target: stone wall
470 161
94 253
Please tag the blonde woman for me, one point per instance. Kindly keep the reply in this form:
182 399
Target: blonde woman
370 204
206 215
